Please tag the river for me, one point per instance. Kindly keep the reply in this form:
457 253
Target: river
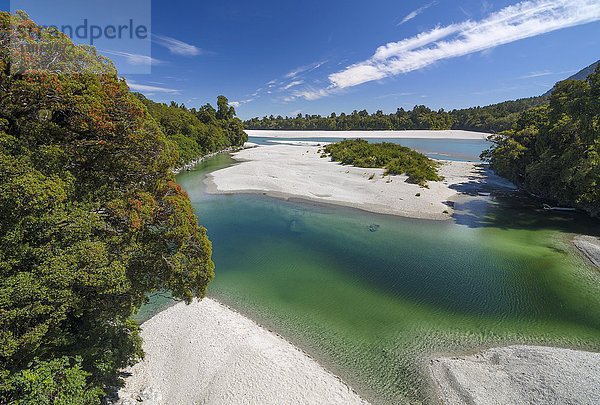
373 297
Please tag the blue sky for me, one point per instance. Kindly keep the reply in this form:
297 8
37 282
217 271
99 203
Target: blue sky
315 57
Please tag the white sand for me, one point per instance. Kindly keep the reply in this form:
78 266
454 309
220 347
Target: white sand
298 143
519 375
446 134
294 171
205 353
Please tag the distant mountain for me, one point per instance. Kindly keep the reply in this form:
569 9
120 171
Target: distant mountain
502 116
585 72
581 75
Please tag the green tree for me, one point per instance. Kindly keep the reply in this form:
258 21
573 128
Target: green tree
224 110
91 219
197 132
554 150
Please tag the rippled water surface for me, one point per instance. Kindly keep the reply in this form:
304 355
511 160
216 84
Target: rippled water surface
373 306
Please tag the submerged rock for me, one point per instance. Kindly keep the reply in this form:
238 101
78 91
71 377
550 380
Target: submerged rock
373 227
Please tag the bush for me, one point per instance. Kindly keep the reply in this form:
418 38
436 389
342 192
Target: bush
60 381
396 159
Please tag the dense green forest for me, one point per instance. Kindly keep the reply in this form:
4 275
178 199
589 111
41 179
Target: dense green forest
394 158
198 132
553 151
91 219
493 118
420 117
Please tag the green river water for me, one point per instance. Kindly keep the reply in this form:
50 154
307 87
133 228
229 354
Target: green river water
373 307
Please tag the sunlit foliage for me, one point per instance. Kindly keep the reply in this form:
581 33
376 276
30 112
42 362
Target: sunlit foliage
91 219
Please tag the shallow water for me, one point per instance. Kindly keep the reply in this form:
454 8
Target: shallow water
372 306
467 150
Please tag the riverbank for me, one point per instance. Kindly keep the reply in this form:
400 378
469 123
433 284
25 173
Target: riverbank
207 353
590 247
286 171
519 375
414 134
196 162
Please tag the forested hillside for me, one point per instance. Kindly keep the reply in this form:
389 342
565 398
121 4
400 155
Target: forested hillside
554 149
420 117
493 118
91 219
198 132
581 75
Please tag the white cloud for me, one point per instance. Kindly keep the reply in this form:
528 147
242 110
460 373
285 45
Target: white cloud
237 104
149 89
292 84
395 95
134 58
314 94
545 73
522 20
536 74
302 69
176 46
416 12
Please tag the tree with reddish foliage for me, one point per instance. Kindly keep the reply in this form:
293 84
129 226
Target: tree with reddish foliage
91 220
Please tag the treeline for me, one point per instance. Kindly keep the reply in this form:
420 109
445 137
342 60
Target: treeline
198 132
420 117
553 151
91 219
396 159
493 118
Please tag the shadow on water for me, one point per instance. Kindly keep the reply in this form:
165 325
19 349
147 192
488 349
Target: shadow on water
517 210
508 208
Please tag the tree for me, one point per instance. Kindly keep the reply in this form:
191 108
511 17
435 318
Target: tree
224 111
493 118
554 150
196 132
91 219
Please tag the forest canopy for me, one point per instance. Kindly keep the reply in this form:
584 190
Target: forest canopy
396 159
493 118
91 219
554 149
198 132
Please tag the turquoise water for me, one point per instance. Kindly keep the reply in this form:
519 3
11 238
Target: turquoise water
374 306
446 149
